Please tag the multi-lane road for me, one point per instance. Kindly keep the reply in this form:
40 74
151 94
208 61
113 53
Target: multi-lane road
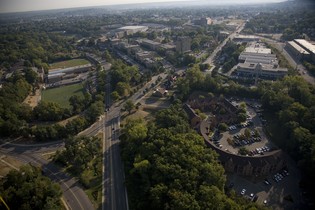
210 59
114 190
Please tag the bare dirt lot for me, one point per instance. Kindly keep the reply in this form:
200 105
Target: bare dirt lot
33 100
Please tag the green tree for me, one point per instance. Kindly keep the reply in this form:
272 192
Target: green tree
223 127
115 95
129 106
241 117
28 189
94 111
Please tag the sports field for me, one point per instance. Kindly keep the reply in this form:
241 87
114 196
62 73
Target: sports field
69 63
62 94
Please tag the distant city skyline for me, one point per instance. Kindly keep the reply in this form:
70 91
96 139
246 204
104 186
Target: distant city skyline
34 5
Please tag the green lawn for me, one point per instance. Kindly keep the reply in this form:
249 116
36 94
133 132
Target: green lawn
69 63
62 94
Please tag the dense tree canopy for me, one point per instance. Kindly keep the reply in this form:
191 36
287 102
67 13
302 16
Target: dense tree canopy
171 168
28 189
291 102
40 48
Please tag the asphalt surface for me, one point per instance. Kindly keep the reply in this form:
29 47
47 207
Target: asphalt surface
219 48
73 194
114 190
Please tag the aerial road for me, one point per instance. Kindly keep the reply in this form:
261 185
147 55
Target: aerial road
219 48
73 194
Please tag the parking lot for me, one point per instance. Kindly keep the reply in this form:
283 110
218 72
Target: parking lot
281 194
255 142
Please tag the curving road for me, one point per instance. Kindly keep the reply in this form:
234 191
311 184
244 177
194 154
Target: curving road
73 194
114 190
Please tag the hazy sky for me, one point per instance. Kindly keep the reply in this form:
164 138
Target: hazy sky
30 5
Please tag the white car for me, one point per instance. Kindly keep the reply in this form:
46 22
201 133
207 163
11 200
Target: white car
243 191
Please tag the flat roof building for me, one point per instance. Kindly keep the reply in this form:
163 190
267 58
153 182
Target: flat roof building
306 45
128 30
183 44
245 38
297 51
150 44
253 57
301 49
258 70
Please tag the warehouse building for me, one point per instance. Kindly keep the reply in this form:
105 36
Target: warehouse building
245 38
55 75
301 49
258 70
128 30
257 62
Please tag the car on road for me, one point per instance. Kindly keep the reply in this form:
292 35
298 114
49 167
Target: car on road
265 202
243 191
266 182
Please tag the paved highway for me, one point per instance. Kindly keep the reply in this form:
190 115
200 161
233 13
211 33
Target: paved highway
114 190
219 48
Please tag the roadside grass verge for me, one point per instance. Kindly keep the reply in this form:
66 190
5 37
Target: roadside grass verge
62 94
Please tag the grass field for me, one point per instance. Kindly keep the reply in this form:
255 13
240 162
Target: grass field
69 63
62 94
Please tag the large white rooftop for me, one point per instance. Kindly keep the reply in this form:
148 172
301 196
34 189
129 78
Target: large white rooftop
264 67
133 27
308 46
298 47
258 50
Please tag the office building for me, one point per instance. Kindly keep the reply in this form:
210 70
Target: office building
183 44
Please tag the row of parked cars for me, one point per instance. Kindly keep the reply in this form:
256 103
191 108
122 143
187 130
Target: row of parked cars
279 176
240 139
259 150
234 127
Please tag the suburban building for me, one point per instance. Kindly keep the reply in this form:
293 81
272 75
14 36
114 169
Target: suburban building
183 44
231 26
128 30
258 70
223 34
257 62
204 21
192 116
150 44
253 57
216 105
301 49
55 75
245 38
167 46
160 92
